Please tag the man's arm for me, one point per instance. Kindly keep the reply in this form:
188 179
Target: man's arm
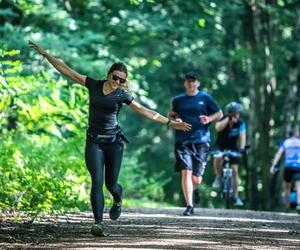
276 160
214 117
59 65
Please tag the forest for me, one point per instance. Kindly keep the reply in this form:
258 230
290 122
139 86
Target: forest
245 51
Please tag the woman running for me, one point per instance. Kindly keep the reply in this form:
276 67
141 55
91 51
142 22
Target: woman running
104 141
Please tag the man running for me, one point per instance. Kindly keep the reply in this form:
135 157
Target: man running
191 147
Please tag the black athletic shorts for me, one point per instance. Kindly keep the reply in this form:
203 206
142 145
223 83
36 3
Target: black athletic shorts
191 156
291 173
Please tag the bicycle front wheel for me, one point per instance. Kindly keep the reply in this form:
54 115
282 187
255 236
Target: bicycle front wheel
227 199
227 192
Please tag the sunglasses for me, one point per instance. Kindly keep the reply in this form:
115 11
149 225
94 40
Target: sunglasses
116 78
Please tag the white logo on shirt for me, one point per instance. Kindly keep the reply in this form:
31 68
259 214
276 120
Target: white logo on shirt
201 103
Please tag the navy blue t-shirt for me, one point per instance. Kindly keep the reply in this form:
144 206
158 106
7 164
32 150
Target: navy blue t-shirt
189 109
104 109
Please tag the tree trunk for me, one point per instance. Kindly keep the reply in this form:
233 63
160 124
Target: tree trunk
251 39
263 84
268 100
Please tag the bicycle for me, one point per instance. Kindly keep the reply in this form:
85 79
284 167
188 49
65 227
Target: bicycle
227 190
226 179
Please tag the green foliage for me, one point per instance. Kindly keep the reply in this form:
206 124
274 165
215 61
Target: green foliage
40 173
159 41
42 163
38 114
137 183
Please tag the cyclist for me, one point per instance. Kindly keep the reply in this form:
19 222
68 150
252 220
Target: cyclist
291 149
230 129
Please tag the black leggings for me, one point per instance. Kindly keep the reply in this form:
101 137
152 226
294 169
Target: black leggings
98 155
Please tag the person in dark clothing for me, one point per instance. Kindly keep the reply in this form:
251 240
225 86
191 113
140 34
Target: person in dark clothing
104 140
191 147
230 129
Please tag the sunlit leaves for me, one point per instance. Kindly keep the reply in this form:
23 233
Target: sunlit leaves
201 22
136 2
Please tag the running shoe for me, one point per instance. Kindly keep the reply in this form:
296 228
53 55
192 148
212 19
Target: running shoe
98 229
188 211
238 202
115 211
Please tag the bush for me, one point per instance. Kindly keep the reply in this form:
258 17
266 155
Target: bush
41 173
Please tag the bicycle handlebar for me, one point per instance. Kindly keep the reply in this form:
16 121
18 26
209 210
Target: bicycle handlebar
228 153
232 153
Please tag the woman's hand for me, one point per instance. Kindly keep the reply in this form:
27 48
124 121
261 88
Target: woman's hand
180 125
39 49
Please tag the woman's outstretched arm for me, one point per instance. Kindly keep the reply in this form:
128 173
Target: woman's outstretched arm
154 116
59 65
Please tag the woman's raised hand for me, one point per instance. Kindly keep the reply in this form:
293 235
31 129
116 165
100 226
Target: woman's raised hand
180 125
39 49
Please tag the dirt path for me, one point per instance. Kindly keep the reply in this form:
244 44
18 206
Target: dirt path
158 229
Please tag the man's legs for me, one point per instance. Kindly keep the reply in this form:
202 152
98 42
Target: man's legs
196 183
287 193
189 183
184 165
218 171
193 157
297 184
187 186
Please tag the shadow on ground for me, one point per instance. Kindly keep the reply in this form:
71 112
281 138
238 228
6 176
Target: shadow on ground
157 229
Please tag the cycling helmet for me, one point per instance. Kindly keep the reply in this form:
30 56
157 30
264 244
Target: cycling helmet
233 107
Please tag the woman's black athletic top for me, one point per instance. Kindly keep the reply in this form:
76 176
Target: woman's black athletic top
104 109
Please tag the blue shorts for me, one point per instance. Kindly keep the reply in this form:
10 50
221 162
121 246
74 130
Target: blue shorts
191 156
